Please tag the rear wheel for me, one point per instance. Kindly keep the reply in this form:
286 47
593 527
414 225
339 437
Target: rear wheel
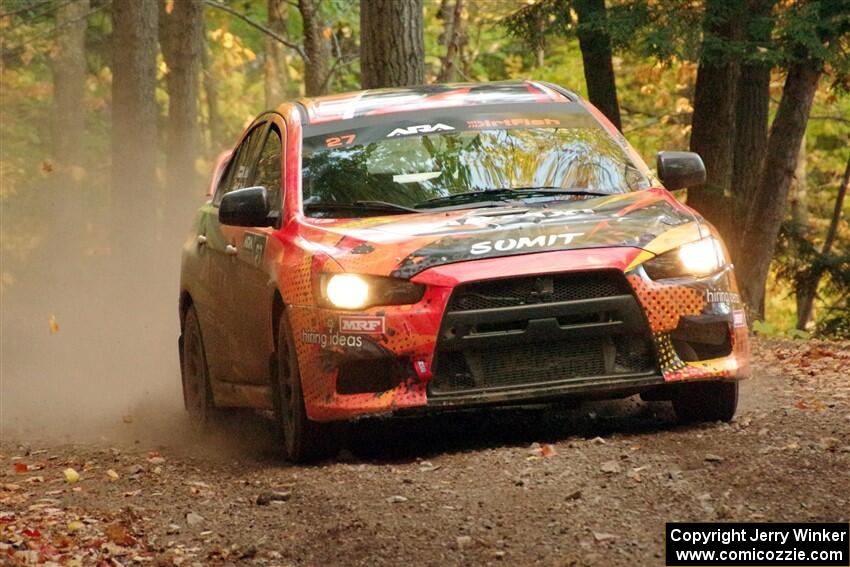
705 401
303 439
197 393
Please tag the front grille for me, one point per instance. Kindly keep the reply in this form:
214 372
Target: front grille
539 330
529 290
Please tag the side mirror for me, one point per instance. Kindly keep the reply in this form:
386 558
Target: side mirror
678 170
245 207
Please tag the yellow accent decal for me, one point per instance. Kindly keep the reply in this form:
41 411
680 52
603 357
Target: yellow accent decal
674 238
640 259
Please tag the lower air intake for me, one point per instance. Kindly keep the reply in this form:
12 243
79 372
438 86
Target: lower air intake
530 364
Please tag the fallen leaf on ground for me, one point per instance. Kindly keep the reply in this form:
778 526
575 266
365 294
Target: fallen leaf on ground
71 476
119 534
75 525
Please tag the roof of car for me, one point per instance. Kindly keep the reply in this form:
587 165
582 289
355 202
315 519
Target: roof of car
387 101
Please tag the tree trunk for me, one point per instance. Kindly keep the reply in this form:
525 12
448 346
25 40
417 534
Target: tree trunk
213 114
712 124
69 81
182 40
453 30
595 47
805 287
134 133
316 47
752 105
798 197
274 67
766 209
808 288
392 43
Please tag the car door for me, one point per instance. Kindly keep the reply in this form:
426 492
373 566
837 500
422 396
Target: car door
222 244
255 266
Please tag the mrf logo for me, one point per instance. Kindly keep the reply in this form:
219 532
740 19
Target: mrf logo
359 324
420 129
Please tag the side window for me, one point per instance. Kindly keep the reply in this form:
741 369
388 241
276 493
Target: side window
268 168
239 170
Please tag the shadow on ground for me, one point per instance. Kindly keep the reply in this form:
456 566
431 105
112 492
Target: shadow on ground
401 439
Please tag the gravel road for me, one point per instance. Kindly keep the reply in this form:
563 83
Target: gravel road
591 485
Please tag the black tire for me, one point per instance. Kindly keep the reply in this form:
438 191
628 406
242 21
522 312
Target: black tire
197 393
705 401
303 440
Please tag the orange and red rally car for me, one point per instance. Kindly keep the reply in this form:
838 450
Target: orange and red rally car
450 246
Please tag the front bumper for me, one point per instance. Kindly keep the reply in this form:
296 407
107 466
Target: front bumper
632 335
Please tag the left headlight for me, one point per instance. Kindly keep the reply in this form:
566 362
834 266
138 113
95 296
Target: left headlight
700 258
356 291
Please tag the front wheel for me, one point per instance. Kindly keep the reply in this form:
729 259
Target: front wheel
303 439
705 401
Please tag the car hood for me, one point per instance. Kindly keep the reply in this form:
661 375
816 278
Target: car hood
403 246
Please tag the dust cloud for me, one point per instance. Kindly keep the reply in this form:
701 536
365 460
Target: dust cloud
88 330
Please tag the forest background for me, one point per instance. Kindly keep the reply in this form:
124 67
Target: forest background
113 111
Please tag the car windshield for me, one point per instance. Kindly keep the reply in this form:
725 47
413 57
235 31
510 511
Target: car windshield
344 176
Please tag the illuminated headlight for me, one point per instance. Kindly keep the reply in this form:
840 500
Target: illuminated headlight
355 291
702 257
699 258
347 291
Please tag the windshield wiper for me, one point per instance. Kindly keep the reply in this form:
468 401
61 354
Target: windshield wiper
558 191
505 194
380 206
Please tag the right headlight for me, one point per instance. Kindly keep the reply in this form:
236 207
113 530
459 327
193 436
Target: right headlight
700 258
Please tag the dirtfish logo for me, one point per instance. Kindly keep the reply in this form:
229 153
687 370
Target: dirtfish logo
510 244
420 129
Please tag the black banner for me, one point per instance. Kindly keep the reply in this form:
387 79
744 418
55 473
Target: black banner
757 544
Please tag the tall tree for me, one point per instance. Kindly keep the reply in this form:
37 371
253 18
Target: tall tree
813 38
214 129
595 44
182 40
752 101
807 282
134 119
69 78
451 38
712 125
317 49
766 208
392 43
274 66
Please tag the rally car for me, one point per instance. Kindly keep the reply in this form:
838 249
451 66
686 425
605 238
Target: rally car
451 246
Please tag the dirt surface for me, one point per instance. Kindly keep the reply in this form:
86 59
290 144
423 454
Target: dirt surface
558 486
